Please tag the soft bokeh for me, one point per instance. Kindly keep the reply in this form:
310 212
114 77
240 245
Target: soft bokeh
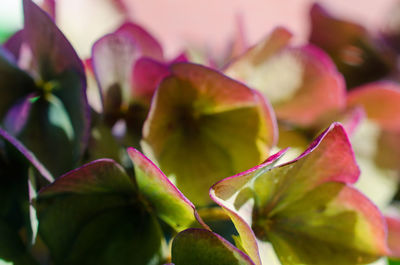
210 23
203 23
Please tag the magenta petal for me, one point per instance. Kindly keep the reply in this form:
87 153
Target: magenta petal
146 76
18 115
181 58
13 44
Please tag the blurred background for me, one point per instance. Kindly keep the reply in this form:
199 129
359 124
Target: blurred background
207 24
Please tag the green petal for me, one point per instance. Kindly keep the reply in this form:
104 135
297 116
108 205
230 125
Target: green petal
92 215
304 207
169 203
332 224
200 125
200 246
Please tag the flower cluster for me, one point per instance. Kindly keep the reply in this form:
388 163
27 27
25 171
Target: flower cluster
271 154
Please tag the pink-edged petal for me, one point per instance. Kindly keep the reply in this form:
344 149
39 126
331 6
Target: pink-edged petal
394 236
358 56
224 193
102 216
321 83
210 83
201 123
99 176
292 78
352 118
381 102
316 162
266 192
146 76
149 46
316 168
332 224
169 203
298 139
113 58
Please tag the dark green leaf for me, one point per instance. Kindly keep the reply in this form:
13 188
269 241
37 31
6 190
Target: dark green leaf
92 215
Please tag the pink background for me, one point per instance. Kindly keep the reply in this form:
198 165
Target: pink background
210 23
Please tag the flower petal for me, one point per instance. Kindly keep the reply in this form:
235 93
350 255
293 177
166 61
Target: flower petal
292 78
58 66
394 236
375 140
291 205
381 102
75 211
200 246
169 203
200 125
113 58
147 75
